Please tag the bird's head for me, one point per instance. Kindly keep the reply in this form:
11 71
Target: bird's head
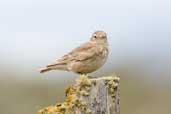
99 36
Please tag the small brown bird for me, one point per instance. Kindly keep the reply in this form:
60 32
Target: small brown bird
84 59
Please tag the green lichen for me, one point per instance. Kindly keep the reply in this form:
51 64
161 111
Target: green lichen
84 85
82 106
112 85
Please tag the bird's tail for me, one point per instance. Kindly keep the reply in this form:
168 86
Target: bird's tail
57 66
45 69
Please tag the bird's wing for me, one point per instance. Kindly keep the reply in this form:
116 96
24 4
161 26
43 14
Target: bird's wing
83 52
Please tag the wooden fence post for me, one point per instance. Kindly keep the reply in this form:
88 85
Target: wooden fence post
89 96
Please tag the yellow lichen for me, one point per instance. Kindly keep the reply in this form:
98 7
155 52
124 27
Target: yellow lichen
73 101
69 90
84 85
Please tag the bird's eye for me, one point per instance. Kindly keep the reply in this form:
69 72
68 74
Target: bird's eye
95 36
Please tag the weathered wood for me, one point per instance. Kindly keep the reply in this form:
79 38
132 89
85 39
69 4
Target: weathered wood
89 96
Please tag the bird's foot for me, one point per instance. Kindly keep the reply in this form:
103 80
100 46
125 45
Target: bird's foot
88 76
84 75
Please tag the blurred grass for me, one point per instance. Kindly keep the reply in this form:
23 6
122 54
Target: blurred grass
137 97
28 96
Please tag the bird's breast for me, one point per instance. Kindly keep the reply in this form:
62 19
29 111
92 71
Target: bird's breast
91 64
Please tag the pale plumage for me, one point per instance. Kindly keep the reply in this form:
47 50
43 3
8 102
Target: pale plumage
85 59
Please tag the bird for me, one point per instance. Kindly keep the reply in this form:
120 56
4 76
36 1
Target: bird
86 58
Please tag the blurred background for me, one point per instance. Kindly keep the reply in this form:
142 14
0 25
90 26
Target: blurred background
34 33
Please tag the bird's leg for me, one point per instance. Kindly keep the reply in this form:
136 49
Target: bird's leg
88 76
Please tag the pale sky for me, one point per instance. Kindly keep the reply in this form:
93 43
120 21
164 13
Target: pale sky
35 32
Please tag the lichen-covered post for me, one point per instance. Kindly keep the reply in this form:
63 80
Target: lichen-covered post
89 96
